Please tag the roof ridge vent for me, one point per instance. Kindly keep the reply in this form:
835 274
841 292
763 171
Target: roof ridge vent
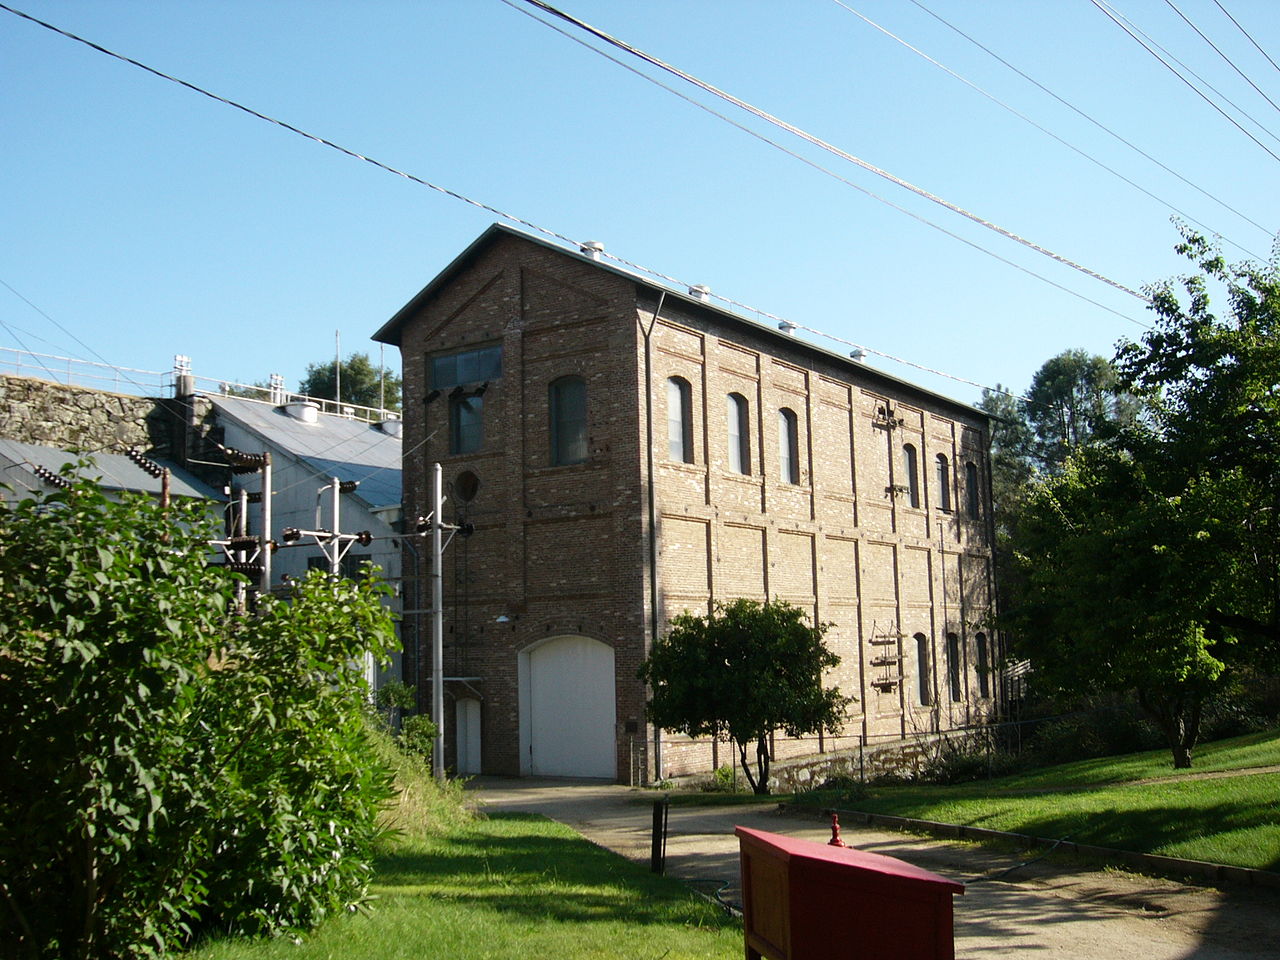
700 291
591 248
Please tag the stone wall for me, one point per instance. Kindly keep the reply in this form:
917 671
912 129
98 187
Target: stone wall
81 419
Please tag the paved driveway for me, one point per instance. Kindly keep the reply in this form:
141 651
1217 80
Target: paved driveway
1037 910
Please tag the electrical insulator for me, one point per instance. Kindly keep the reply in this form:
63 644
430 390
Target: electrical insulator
242 543
466 529
348 486
364 538
253 570
290 534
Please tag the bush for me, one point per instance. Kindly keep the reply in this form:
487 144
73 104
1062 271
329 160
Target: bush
418 735
171 767
965 758
723 780
1098 732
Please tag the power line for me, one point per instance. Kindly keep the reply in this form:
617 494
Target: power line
535 227
824 145
1216 50
1255 43
1049 133
828 172
1124 24
1105 129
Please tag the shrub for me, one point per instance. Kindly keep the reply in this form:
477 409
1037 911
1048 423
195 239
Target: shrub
723 780
418 735
168 765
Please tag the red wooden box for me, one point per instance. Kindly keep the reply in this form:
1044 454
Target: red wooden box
810 901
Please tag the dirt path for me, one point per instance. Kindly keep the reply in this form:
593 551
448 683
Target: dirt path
1039 909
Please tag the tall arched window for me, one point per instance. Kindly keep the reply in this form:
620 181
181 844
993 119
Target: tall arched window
984 688
739 429
971 491
788 446
924 683
679 420
911 464
953 665
567 403
944 483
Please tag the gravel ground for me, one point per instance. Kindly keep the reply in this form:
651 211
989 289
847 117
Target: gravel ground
1038 909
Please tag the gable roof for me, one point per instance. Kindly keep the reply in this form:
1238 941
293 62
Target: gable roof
333 446
390 332
112 471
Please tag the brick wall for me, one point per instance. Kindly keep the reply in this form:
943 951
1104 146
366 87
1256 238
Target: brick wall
564 550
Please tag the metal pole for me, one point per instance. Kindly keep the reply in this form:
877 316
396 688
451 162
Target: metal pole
437 626
335 529
265 586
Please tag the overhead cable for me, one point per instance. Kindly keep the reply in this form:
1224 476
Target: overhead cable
1172 6
542 230
1255 43
820 168
1142 40
828 147
1048 133
1105 129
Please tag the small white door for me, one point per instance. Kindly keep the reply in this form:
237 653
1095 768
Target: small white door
569 709
468 731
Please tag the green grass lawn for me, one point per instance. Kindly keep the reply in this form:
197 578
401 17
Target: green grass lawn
511 886
1233 820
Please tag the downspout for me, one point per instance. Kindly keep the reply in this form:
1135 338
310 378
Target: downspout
653 507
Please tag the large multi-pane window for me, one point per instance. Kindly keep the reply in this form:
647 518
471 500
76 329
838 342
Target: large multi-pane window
739 429
679 420
911 465
567 402
466 366
944 483
788 446
971 492
466 423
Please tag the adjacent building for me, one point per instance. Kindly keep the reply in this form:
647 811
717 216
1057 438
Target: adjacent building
623 452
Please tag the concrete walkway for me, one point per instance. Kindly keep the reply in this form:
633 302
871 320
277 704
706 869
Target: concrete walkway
1007 909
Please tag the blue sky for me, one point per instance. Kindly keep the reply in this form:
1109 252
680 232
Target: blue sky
146 220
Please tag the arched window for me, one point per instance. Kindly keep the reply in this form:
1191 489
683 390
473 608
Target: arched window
971 492
679 420
944 483
953 665
911 464
739 424
788 446
924 683
984 689
567 402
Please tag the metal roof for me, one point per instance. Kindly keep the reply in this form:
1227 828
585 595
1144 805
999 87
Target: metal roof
113 471
333 446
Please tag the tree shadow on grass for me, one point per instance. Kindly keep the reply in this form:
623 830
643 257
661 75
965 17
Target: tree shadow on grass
541 873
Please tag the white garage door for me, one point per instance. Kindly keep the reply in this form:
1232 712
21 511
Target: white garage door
569 709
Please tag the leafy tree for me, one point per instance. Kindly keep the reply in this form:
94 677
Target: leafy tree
362 383
1152 562
1072 396
745 670
169 767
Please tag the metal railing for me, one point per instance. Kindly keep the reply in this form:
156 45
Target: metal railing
71 371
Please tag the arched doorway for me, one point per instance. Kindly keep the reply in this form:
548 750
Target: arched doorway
568 709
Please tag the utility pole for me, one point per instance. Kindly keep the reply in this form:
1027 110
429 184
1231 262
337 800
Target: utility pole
437 624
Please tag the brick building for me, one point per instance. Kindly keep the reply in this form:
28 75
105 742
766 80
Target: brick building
625 452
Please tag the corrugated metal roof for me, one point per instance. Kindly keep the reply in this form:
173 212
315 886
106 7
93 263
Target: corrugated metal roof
114 471
332 446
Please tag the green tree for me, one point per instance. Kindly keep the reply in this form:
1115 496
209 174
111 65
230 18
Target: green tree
170 767
1152 562
1072 397
362 383
744 671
